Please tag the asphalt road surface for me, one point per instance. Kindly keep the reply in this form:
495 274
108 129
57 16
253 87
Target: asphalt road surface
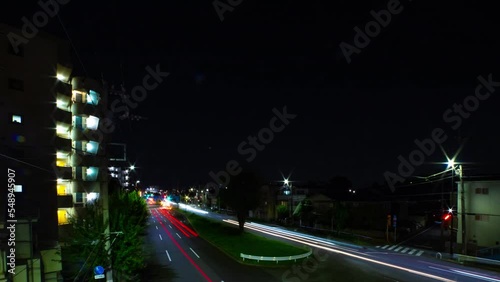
193 259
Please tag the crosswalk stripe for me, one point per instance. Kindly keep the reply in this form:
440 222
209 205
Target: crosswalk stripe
384 247
397 250
392 247
412 251
419 253
377 247
405 250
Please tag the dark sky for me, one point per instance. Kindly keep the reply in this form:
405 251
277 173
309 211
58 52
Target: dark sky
227 76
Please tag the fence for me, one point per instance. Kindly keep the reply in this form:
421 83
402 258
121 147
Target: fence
277 259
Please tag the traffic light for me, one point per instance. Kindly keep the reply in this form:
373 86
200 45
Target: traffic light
446 217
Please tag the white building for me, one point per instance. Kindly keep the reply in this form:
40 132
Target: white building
482 213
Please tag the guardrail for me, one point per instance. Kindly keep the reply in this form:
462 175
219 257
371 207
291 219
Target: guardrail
277 259
464 258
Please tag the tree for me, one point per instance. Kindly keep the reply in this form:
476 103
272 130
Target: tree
340 216
128 214
242 194
282 212
304 211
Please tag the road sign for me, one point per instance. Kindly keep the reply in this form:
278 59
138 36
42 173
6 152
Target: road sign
99 276
98 270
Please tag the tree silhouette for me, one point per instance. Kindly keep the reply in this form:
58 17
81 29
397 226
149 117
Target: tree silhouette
242 194
338 186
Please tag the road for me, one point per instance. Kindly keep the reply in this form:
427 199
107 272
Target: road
338 261
430 238
191 258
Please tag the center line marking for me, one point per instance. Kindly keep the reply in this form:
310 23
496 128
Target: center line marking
194 253
178 235
168 255
170 226
160 237
156 226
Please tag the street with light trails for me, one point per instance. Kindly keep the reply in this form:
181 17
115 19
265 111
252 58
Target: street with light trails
383 265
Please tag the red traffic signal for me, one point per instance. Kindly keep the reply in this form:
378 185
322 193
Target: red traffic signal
446 217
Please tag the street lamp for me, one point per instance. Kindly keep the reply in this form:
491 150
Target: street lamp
288 184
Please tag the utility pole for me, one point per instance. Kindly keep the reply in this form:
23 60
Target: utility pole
452 205
462 202
107 235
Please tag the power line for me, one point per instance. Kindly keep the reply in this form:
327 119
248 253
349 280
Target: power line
23 162
72 45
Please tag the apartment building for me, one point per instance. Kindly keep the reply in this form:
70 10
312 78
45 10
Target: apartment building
53 132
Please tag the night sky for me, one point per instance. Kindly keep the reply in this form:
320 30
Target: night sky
352 119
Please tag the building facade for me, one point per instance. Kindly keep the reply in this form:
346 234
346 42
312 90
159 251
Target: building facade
482 214
27 132
53 133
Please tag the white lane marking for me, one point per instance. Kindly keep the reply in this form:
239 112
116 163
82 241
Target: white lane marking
476 275
194 253
170 226
156 227
467 274
178 235
168 255
160 237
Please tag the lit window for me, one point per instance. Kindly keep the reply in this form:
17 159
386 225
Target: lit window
63 102
93 97
79 96
61 77
92 196
91 173
16 119
61 189
62 217
18 188
92 147
92 122
62 130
